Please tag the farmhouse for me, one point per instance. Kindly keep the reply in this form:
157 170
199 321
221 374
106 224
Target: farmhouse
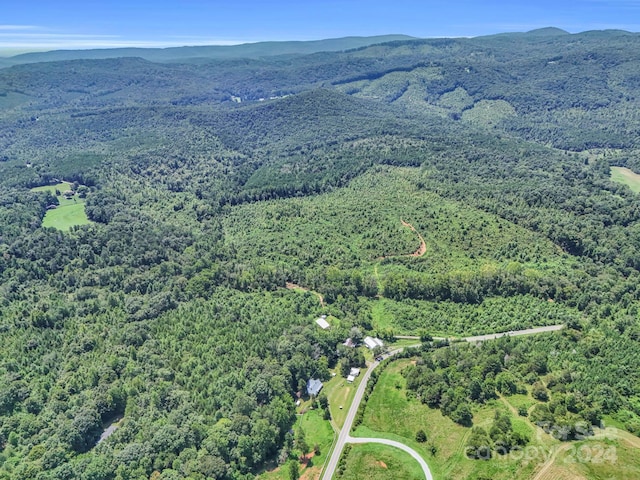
372 342
322 322
354 372
313 387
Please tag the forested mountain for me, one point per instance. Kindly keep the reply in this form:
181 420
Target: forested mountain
207 186
203 53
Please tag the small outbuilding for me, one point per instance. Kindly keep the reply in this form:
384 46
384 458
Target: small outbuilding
349 343
351 379
322 322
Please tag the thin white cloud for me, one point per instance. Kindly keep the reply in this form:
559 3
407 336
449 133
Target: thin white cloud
12 43
18 28
25 38
28 36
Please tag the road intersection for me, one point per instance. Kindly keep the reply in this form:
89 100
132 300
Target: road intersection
344 436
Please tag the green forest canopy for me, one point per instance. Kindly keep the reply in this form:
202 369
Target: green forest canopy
169 308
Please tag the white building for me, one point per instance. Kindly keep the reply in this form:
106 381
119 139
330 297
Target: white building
322 322
372 342
354 372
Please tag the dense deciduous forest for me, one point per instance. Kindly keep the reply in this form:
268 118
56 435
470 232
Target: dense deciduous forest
168 312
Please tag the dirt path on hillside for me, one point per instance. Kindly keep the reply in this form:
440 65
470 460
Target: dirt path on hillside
423 245
542 473
422 249
295 286
547 471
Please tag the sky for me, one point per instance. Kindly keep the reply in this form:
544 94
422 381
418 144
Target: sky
37 25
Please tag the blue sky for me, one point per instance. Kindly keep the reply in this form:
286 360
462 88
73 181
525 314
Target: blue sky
54 24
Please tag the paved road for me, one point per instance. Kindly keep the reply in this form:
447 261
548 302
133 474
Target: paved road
516 333
401 446
346 428
344 437
491 336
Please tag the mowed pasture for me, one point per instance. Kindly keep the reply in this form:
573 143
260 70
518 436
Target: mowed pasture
627 177
340 394
374 461
69 213
391 413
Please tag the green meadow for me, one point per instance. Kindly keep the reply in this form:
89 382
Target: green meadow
374 461
392 414
626 177
69 213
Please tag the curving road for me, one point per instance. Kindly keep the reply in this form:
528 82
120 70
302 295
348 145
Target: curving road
401 446
344 436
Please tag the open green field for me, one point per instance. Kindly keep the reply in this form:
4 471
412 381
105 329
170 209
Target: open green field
317 432
390 414
65 217
69 213
374 461
627 177
340 394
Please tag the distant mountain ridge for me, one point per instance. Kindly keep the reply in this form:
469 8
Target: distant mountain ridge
217 52
272 49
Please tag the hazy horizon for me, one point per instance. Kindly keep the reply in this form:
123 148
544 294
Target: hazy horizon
76 25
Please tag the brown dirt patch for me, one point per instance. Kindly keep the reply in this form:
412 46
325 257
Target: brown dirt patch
550 471
312 473
382 464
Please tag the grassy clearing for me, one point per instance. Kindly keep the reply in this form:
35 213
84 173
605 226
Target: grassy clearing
341 393
627 177
62 187
381 316
63 218
518 401
317 432
70 212
380 462
390 414
609 458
